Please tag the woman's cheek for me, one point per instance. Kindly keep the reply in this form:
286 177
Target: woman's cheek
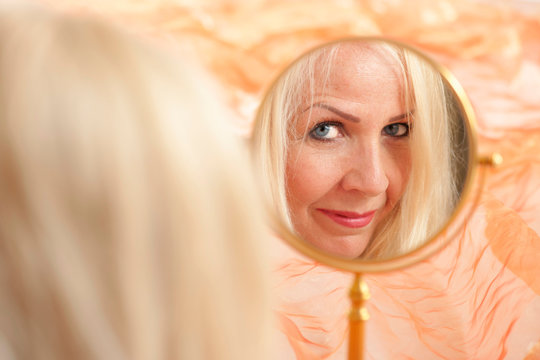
399 175
312 175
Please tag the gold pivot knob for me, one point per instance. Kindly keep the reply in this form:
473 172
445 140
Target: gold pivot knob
493 160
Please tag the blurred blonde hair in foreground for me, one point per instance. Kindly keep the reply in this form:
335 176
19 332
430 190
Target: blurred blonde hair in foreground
128 225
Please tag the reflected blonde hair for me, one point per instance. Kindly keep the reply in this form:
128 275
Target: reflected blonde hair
129 224
436 176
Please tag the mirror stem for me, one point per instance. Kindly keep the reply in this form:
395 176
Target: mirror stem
358 294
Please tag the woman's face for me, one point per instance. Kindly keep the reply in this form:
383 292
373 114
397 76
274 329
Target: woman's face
349 154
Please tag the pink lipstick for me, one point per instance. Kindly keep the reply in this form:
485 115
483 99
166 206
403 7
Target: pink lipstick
348 218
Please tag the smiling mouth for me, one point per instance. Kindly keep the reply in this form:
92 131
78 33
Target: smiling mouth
348 218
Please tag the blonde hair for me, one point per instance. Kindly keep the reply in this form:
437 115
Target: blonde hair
436 176
129 225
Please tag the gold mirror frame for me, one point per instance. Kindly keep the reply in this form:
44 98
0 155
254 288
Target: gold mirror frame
470 194
465 206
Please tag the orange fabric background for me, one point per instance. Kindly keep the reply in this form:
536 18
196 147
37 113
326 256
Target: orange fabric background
480 297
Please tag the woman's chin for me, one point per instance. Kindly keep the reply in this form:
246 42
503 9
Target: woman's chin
347 247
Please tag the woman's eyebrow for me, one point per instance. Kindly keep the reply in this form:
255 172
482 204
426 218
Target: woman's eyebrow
402 116
353 118
342 114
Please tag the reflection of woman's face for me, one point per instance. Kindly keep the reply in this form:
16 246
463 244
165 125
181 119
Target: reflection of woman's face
349 154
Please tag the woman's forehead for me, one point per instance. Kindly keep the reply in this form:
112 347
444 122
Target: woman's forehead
356 72
355 61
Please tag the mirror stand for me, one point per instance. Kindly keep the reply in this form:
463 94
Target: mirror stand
459 158
358 294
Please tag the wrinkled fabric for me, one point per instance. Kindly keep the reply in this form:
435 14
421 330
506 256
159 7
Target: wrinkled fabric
479 298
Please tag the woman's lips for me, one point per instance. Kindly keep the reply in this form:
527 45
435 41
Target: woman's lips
348 218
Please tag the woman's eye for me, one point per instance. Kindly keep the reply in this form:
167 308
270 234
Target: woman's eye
396 130
325 131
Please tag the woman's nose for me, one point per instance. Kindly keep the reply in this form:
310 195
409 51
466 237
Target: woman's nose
365 171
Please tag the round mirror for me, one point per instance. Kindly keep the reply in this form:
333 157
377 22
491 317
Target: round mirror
367 150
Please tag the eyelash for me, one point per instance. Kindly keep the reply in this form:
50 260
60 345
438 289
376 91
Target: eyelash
335 124
407 126
340 127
